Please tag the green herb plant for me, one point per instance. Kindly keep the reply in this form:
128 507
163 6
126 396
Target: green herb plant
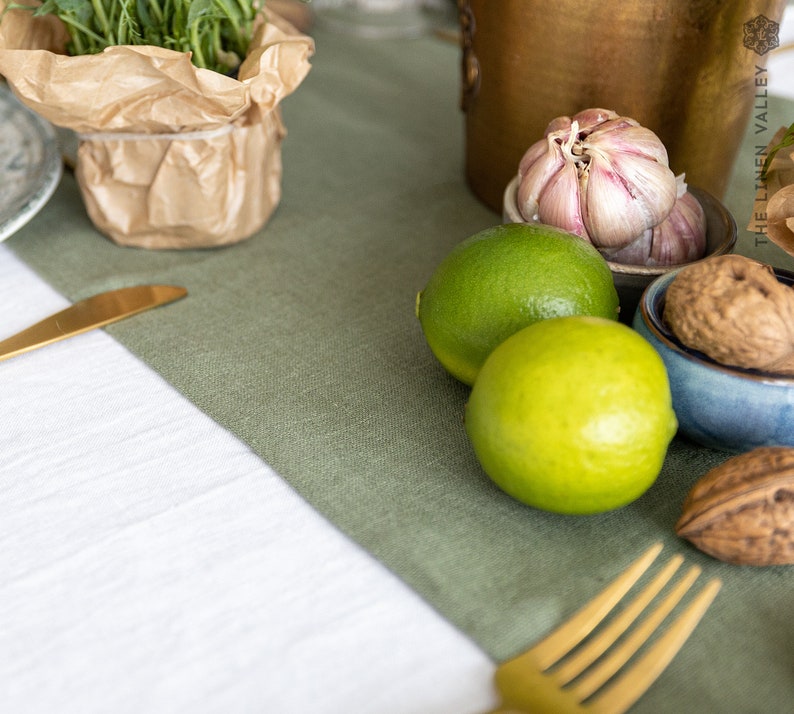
216 32
787 140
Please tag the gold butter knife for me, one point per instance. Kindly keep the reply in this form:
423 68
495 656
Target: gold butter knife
88 314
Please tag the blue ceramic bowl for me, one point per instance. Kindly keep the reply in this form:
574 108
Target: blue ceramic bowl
717 406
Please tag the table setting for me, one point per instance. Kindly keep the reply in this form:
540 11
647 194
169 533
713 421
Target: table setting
261 496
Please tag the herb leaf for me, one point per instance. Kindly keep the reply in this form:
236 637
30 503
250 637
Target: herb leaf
788 140
216 32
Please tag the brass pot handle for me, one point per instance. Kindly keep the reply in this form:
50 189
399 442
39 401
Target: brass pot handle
470 66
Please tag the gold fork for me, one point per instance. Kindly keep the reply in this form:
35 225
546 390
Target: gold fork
542 678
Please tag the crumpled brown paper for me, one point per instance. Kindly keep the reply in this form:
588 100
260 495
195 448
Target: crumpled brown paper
774 200
170 155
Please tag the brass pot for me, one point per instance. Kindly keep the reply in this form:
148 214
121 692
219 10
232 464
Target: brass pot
687 69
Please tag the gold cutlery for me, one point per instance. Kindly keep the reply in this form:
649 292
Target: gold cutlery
538 680
88 314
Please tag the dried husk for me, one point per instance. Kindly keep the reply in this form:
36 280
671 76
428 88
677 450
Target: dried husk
742 511
773 210
780 218
170 155
680 238
734 310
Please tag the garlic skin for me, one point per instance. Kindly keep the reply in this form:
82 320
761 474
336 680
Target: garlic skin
598 175
679 238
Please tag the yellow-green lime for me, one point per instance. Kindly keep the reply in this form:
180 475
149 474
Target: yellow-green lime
502 279
572 415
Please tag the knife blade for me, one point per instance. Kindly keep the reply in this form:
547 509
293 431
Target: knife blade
96 311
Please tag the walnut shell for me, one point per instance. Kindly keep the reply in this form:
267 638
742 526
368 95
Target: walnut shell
742 511
734 310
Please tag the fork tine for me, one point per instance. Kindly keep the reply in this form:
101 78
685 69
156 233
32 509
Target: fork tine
555 645
574 665
619 695
608 666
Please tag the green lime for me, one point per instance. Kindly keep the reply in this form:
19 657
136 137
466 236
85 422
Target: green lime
500 280
572 415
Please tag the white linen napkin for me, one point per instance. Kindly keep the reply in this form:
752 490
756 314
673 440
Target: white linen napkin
149 562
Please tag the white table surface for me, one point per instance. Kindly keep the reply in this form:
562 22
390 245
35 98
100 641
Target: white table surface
149 562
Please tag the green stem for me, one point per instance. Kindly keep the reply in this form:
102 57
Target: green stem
208 28
102 19
247 9
217 43
87 31
77 43
156 10
195 42
228 11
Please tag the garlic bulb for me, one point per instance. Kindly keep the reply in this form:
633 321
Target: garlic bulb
599 175
679 238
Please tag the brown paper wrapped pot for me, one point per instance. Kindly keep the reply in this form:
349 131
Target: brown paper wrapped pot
170 155
183 193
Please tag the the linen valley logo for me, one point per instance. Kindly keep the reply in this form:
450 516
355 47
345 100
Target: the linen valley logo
761 129
760 35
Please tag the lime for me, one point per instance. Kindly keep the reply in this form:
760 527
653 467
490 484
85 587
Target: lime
502 279
572 415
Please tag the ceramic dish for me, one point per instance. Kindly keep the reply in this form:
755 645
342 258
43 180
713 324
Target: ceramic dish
30 163
631 280
720 407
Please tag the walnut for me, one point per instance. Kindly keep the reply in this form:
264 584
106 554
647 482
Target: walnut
734 310
742 511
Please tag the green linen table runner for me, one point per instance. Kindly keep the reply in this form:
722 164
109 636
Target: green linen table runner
303 342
